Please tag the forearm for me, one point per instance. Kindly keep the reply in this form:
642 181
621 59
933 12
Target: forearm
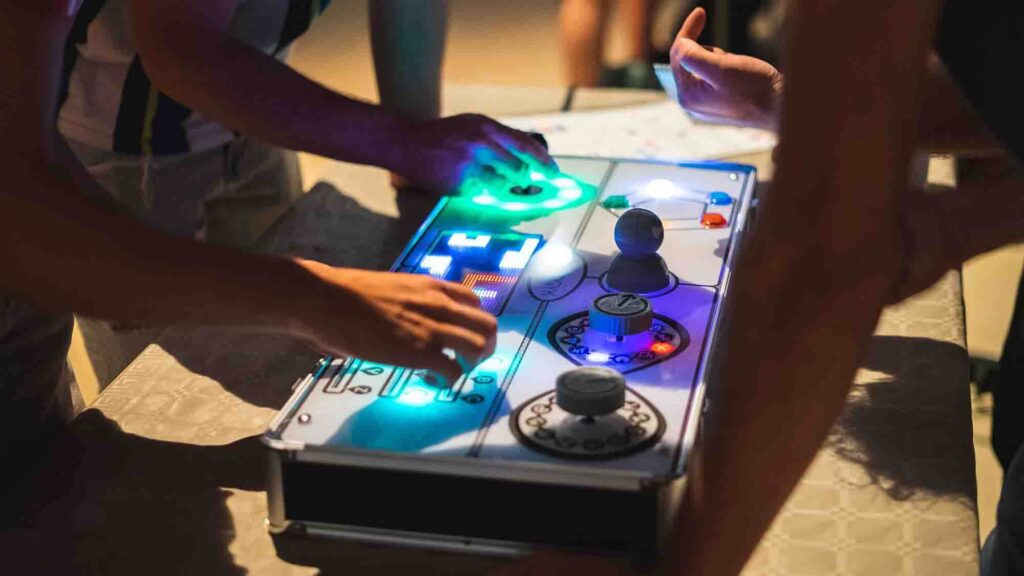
266 99
64 251
408 40
784 383
816 271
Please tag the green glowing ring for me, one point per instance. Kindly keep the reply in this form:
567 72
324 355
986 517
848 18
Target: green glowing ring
556 193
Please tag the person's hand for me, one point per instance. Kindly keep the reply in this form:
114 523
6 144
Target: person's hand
721 87
400 319
443 155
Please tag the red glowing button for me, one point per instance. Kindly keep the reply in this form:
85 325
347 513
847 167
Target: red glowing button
662 348
713 220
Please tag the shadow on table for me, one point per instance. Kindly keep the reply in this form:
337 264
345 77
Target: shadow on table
104 501
910 429
107 502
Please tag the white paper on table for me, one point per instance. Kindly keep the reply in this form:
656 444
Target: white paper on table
658 131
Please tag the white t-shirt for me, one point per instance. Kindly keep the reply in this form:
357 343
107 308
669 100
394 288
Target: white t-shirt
108 101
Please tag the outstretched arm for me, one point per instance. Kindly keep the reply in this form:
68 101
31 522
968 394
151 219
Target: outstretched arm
188 53
824 258
64 247
730 88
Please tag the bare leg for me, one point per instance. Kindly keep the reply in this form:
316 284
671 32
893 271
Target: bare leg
583 23
636 16
408 38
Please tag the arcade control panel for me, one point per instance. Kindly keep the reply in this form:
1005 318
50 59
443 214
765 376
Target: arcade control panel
607 282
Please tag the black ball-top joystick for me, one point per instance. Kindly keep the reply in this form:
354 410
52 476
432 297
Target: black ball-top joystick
639 233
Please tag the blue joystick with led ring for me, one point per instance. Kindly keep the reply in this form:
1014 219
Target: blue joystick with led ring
639 233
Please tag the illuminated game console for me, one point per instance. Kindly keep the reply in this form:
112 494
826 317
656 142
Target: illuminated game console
608 284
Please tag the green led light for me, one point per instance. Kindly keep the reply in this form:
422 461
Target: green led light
616 202
570 194
548 194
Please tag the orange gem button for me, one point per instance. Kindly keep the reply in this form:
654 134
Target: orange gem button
713 220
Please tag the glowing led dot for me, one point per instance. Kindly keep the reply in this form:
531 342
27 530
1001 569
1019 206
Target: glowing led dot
598 357
516 206
662 348
734 176
564 182
436 264
719 199
553 203
713 220
570 194
416 397
661 188
537 177
485 199
553 258
462 240
492 363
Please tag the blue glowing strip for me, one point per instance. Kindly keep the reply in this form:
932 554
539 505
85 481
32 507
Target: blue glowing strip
450 394
485 294
397 384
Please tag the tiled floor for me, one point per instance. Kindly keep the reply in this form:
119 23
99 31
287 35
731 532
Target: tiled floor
515 43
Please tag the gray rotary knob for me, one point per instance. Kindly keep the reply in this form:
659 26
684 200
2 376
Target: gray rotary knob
592 391
621 314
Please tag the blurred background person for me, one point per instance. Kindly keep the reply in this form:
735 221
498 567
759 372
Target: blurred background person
584 25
